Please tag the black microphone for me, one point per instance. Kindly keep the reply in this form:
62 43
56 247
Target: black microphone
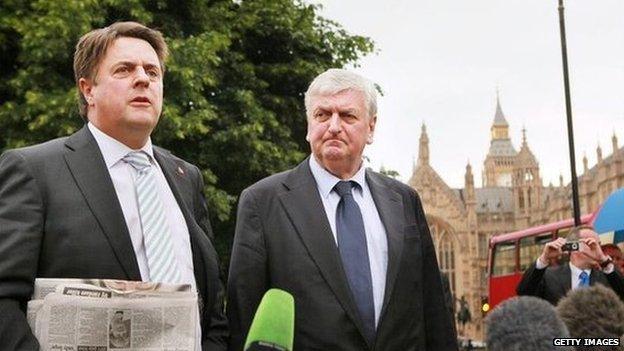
273 326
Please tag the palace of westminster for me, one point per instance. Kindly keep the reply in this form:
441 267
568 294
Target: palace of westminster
511 197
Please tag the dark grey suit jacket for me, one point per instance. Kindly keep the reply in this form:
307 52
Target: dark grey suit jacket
553 283
60 218
283 240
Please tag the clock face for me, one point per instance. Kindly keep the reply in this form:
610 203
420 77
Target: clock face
504 179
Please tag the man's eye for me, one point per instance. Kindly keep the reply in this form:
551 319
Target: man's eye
321 115
153 73
122 69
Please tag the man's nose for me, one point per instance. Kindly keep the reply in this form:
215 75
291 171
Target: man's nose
141 77
334 123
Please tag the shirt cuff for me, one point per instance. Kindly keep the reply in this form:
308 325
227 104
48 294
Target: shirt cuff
539 264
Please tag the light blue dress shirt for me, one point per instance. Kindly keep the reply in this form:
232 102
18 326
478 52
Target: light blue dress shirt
376 240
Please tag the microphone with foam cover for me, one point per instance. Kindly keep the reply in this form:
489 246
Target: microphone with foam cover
273 326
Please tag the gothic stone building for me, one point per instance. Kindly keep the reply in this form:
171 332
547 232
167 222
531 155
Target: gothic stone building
511 197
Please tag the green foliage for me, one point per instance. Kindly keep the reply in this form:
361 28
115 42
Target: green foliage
233 88
389 172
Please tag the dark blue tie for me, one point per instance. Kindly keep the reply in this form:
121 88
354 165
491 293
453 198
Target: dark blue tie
354 254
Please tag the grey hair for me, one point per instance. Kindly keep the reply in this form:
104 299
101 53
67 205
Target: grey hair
594 312
335 80
524 323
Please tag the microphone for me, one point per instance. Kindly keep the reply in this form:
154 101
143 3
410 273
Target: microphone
273 326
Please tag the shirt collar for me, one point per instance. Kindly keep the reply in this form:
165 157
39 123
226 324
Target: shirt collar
113 150
326 181
576 272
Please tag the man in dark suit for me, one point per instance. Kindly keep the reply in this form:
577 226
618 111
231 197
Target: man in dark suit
588 266
352 246
104 202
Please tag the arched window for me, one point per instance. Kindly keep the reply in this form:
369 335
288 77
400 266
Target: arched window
446 251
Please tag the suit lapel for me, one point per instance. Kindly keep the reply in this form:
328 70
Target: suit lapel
565 279
390 208
304 208
86 164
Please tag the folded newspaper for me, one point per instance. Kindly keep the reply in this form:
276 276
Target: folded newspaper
116 315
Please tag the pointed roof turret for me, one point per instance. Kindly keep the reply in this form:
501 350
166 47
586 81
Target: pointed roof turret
599 153
500 127
499 116
423 149
525 156
468 177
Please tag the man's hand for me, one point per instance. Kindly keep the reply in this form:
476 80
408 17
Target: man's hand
594 251
552 251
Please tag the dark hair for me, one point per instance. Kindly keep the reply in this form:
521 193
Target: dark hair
524 323
92 47
594 312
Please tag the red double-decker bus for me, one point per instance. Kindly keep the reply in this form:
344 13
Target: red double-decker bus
512 253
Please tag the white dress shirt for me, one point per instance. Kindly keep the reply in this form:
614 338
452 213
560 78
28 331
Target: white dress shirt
575 273
376 240
123 174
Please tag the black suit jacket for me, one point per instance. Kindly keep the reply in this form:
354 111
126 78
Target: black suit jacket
553 283
60 218
283 240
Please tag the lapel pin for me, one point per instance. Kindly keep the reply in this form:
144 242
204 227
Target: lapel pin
180 171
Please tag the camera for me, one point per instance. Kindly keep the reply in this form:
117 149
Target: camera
570 246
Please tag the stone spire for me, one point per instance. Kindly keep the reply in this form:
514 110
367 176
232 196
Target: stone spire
525 157
524 142
499 116
471 201
469 178
423 150
599 153
585 167
614 142
500 127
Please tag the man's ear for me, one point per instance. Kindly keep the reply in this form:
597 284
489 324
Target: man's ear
86 89
371 127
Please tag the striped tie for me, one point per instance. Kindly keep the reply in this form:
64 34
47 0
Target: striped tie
161 260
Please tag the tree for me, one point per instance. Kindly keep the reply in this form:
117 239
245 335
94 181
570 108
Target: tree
389 172
233 88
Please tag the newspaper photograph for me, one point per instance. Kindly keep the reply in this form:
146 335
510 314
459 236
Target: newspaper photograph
102 315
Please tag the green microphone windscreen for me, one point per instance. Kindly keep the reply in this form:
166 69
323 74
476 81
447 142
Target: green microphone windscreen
274 323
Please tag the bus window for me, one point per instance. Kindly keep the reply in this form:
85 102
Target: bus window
504 258
530 249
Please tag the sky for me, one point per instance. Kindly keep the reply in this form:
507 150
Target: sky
440 62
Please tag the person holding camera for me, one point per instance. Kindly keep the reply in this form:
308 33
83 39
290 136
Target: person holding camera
588 265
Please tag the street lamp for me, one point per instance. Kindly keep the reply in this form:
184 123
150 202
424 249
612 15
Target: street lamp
566 82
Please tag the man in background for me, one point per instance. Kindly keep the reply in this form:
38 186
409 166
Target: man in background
545 279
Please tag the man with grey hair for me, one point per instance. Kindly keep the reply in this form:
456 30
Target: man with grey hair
352 246
524 323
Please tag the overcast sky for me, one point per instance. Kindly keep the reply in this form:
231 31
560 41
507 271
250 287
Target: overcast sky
440 62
